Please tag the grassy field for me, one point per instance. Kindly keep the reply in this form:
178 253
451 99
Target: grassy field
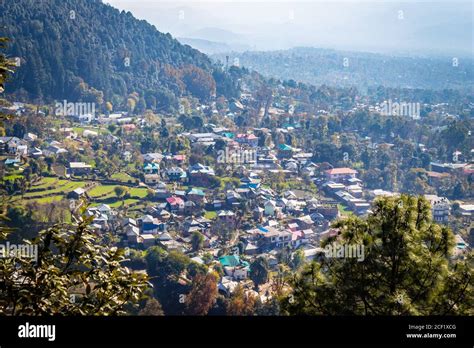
210 215
51 189
102 190
344 210
45 183
61 187
123 177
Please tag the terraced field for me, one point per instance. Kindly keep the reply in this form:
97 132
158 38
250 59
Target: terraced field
54 189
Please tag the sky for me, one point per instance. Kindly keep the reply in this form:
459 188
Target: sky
394 27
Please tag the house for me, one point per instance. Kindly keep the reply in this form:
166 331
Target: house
247 139
147 240
131 230
153 157
340 174
313 253
30 137
15 162
53 150
151 168
104 209
79 168
68 132
274 239
35 152
150 225
234 267
227 216
467 211
461 246
439 208
161 191
233 198
152 179
436 178
77 193
285 151
227 286
257 213
191 208
129 127
10 145
89 133
270 207
196 195
176 174
199 174
178 159
175 204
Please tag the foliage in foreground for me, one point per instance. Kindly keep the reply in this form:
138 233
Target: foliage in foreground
73 275
407 268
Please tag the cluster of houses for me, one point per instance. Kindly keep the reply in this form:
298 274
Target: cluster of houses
268 222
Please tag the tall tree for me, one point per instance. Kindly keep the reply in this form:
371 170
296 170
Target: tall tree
203 294
406 268
259 271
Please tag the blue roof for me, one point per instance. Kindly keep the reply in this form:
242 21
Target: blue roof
12 161
151 166
285 147
196 191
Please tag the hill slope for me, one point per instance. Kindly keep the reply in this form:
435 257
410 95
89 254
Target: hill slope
81 49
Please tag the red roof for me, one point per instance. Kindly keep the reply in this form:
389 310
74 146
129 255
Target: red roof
173 200
341 171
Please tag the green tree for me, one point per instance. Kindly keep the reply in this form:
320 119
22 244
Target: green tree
120 191
406 268
197 241
297 259
259 271
74 274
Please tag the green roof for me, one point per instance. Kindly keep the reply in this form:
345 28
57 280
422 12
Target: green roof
228 135
196 191
285 147
232 261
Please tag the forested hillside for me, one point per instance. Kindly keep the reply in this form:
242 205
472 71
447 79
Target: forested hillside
90 51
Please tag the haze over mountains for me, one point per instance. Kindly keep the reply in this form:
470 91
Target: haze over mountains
346 69
320 42
397 28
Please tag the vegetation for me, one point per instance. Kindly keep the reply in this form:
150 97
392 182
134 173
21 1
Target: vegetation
75 273
406 268
111 67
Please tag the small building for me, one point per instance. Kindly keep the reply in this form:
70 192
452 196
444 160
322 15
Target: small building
79 168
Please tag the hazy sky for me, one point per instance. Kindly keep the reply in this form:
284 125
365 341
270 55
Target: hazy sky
399 27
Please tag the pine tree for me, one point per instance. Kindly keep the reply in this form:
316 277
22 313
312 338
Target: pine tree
407 267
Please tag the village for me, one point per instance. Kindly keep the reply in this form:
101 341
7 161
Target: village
249 199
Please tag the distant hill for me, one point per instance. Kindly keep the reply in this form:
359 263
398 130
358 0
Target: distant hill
87 50
216 34
343 69
205 46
